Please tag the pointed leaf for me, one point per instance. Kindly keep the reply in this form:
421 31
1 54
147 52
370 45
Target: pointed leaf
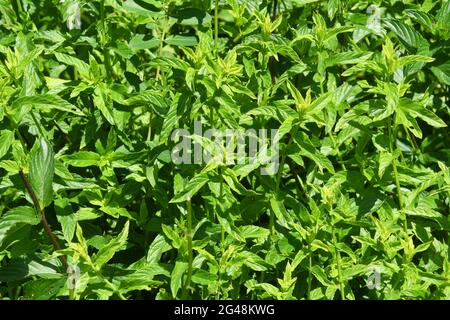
116 244
16 218
192 187
42 169
6 139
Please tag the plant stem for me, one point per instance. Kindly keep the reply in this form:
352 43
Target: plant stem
309 271
161 44
211 116
108 66
189 244
149 132
310 240
45 224
216 27
283 161
392 140
19 6
338 261
222 229
278 179
274 10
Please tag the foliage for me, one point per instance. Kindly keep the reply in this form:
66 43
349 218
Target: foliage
91 91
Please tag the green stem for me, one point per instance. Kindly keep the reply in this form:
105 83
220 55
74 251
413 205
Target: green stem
274 10
278 179
161 44
309 271
392 140
310 240
19 6
149 133
211 115
338 261
222 229
108 66
216 27
189 244
283 161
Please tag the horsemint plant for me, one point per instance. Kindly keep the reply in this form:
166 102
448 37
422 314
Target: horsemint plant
93 207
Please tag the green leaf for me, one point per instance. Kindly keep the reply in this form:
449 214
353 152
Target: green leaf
320 275
116 244
284 129
79 65
253 261
66 218
204 278
301 3
295 93
6 139
231 179
443 18
82 159
181 41
269 288
413 59
254 232
415 109
411 38
442 72
84 214
102 102
141 42
147 11
423 18
142 278
177 277
47 103
157 248
280 212
384 162
19 269
349 57
42 169
308 150
191 17
172 235
15 219
43 289
191 188
424 213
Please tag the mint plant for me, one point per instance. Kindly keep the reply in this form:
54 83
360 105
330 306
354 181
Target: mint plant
348 199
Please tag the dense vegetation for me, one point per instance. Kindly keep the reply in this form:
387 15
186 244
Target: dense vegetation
93 207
